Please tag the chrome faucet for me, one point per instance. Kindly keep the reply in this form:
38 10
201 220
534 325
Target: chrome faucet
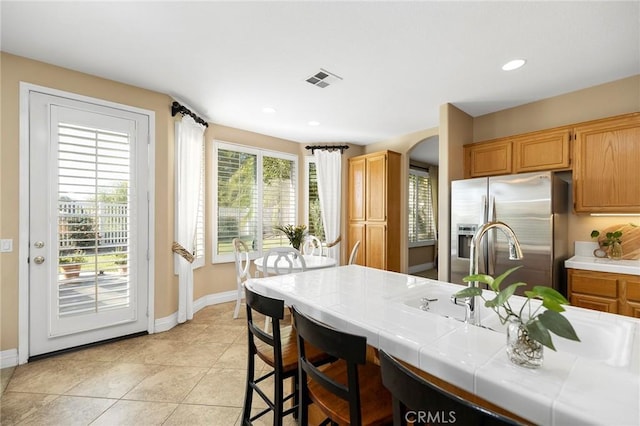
515 253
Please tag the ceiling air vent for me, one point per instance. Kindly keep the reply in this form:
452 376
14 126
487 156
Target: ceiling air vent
323 78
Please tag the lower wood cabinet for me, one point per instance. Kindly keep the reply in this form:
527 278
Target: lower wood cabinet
606 292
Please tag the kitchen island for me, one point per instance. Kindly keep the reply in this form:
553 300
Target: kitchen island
593 382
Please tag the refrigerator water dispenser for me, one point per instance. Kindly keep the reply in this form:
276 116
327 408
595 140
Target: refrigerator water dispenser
465 234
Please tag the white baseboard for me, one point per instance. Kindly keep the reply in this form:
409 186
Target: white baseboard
168 322
9 358
421 267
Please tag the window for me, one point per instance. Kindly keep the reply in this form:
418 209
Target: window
255 191
421 226
314 214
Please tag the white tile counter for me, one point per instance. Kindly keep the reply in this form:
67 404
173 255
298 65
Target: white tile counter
584 259
593 382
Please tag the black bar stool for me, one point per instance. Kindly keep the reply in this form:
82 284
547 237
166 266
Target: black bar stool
279 351
348 391
417 401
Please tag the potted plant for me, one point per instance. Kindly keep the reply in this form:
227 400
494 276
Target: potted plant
295 234
528 328
612 241
121 260
71 263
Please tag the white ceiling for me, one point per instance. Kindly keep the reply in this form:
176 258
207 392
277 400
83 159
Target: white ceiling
399 60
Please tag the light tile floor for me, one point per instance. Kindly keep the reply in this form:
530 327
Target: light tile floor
192 374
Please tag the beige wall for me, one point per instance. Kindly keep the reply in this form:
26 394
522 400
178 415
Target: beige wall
208 280
402 145
456 129
606 100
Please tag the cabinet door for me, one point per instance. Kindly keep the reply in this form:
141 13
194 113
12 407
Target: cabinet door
596 303
357 169
356 233
542 151
593 283
605 171
488 159
376 188
632 297
376 245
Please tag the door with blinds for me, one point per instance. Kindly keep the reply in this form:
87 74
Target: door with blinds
88 224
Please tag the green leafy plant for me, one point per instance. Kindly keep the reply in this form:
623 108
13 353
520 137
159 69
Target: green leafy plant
121 257
537 322
610 237
295 234
77 256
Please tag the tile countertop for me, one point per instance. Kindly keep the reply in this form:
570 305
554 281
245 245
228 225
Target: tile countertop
584 259
596 381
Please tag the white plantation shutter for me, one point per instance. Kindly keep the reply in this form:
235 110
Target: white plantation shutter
237 199
94 213
421 226
278 199
255 190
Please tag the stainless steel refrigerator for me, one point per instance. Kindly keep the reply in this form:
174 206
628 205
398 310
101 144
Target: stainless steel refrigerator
534 205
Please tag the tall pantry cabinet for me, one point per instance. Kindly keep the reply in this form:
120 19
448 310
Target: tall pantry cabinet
374 209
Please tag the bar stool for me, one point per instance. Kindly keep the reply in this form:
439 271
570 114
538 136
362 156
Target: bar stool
348 391
416 401
279 351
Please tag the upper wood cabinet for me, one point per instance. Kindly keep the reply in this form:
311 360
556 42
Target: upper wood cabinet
488 158
543 150
548 150
374 209
606 175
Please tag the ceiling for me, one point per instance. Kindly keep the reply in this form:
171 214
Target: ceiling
398 61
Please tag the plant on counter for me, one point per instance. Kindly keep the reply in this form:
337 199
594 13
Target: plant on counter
295 234
613 242
528 328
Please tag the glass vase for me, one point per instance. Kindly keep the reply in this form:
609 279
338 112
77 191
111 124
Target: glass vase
615 251
521 349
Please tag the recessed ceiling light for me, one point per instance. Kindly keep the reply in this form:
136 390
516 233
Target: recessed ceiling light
269 110
513 65
313 123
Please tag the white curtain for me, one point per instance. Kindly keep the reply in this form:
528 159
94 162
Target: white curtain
329 176
189 159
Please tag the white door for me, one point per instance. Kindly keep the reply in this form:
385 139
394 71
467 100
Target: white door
88 222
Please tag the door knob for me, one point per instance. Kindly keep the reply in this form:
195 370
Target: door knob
38 259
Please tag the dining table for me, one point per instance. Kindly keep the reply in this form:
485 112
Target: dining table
311 262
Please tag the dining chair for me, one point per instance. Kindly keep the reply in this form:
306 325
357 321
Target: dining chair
241 255
347 391
417 401
279 351
312 246
284 259
354 253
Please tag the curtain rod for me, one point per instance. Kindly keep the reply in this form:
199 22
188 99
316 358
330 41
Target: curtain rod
176 108
327 148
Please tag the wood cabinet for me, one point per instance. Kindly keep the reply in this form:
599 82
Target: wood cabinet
605 171
548 150
536 151
374 209
488 158
604 291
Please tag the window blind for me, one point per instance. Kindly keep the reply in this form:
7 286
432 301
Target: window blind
420 207
94 213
